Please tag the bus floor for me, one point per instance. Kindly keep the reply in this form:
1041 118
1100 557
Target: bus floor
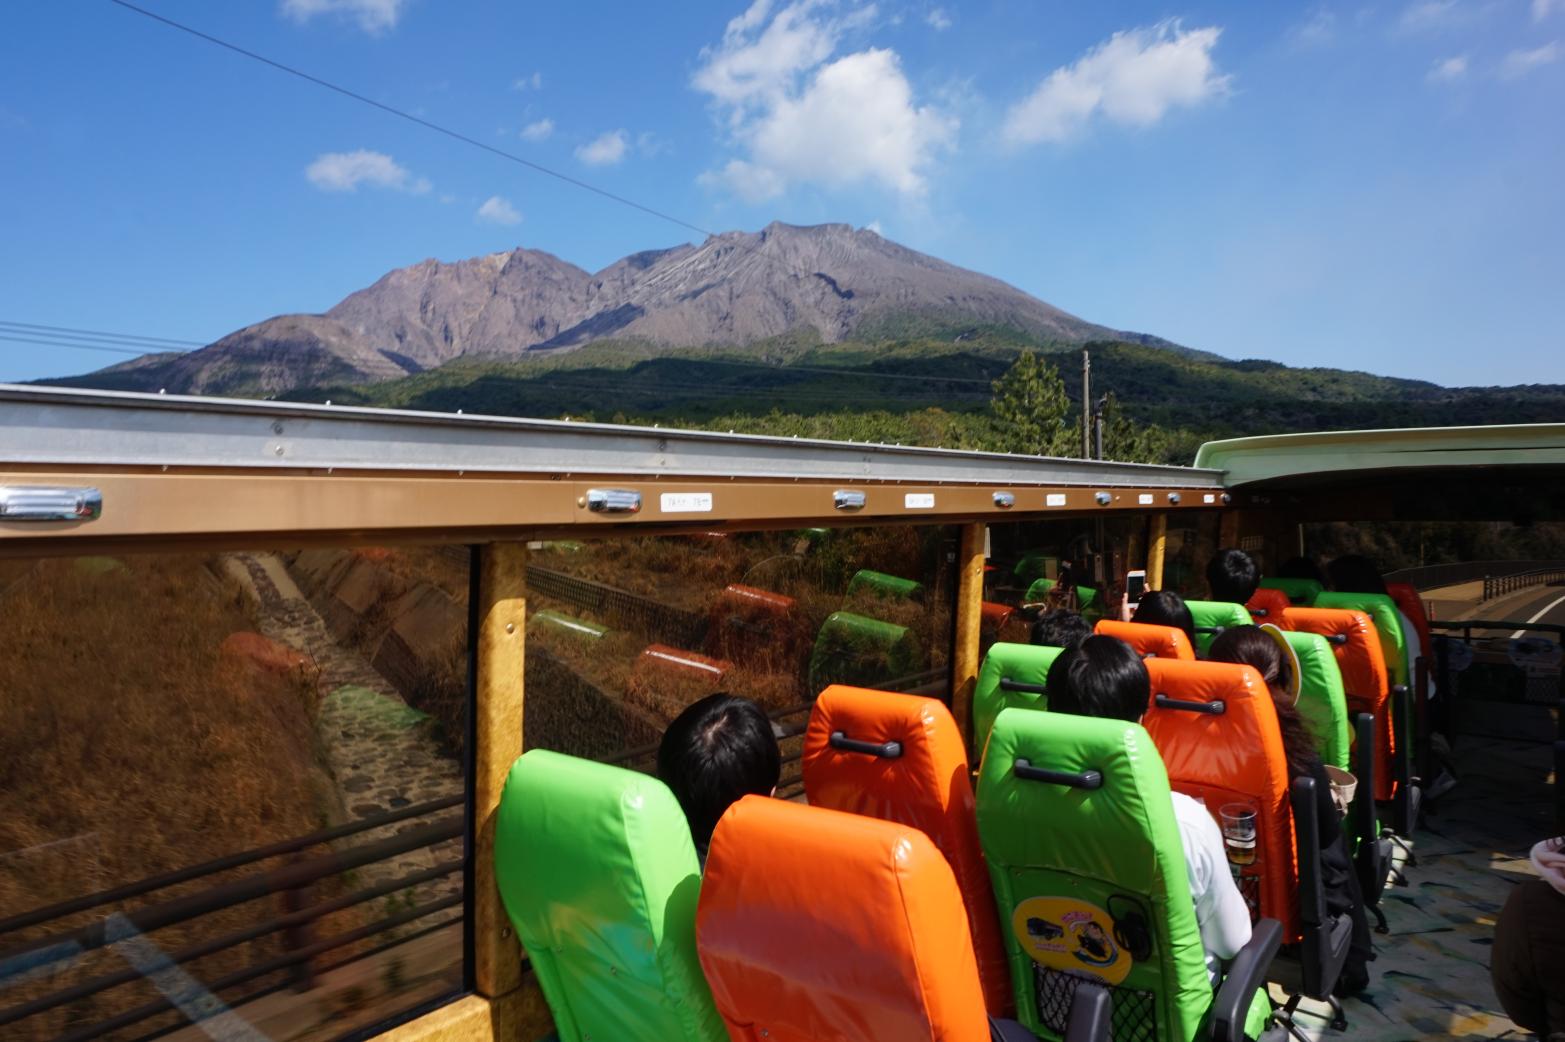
1430 978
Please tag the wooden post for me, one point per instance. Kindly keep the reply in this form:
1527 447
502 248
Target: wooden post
969 619
502 626
1157 544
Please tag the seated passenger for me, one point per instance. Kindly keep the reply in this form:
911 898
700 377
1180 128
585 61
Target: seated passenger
1253 646
717 750
1060 628
1527 963
1104 677
1166 608
1231 576
1301 568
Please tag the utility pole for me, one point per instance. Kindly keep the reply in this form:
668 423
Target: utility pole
1086 404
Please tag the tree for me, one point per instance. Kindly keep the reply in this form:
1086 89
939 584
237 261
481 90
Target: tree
1129 442
1033 411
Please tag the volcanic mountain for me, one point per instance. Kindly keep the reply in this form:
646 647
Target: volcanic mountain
734 289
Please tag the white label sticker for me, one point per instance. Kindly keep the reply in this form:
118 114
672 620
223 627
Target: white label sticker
919 501
1210 497
1145 499
1054 499
686 502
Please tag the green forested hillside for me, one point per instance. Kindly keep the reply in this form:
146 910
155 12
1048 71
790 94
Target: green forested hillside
926 391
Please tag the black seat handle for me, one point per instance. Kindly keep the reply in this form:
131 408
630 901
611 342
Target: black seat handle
1007 684
1219 630
884 750
1089 779
1216 707
1337 638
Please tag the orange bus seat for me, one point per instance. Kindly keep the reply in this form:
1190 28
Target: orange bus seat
816 925
1149 641
1364 679
748 623
1216 728
901 758
1269 605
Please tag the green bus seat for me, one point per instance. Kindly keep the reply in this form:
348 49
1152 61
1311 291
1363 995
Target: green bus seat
1322 701
599 877
1301 592
894 586
1011 675
1212 617
1089 875
861 651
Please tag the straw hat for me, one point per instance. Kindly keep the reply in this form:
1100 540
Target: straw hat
1290 659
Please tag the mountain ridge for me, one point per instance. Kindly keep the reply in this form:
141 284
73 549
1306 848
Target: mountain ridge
735 289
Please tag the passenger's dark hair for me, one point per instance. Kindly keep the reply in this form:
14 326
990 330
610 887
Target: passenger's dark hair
1060 628
1165 608
1232 576
1355 573
1101 676
717 750
1301 568
1250 646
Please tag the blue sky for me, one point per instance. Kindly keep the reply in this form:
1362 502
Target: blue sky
1369 186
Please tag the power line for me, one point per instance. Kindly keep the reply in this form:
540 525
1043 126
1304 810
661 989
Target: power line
99 334
134 351
402 114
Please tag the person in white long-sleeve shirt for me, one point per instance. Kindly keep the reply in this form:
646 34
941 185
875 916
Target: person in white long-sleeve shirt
1104 677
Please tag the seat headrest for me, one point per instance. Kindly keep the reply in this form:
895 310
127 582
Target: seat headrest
1322 701
1149 640
1268 605
1355 643
866 750
599 876
1011 675
1382 610
815 924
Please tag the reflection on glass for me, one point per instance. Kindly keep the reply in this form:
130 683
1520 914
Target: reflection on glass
623 634
231 790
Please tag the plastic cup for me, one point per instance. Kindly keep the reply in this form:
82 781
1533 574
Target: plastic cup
1343 786
1238 821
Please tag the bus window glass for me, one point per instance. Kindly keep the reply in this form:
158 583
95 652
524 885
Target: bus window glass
231 782
624 634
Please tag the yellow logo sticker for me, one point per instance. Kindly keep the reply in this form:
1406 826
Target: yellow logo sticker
1066 934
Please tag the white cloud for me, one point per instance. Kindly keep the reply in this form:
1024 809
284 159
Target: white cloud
1317 30
650 144
605 150
498 210
874 226
373 16
533 82
1541 9
1132 78
345 171
538 131
1449 69
1430 15
938 19
798 115
1520 63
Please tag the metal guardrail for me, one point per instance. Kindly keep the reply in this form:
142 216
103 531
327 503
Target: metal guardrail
1430 576
300 957
1498 585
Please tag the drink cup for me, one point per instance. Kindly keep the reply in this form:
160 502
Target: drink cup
1238 821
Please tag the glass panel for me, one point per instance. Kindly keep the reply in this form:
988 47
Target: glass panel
1028 560
231 786
623 634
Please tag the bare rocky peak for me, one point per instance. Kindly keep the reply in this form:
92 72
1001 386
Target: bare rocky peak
733 289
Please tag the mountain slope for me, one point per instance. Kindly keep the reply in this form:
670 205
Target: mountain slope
828 282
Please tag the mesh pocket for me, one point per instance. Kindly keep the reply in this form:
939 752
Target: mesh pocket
1134 1012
